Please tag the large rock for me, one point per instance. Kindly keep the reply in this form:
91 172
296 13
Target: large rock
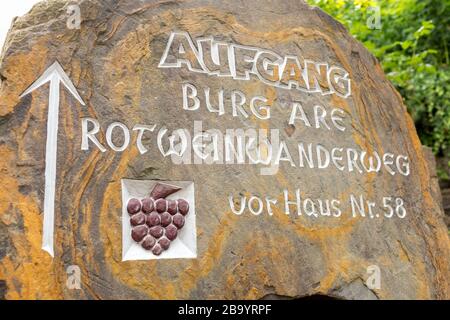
112 60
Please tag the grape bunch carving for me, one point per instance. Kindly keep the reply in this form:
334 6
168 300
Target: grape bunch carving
156 221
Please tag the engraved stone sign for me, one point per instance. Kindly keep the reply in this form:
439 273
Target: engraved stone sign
208 150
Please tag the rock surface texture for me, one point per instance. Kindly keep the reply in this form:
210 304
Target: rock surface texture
112 60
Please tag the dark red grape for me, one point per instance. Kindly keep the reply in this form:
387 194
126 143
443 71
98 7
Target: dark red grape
157 250
183 206
172 207
164 243
148 205
157 231
148 242
138 233
161 205
153 219
137 219
166 219
171 232
133 206
178 220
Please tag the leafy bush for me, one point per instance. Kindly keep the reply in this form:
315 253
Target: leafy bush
412 46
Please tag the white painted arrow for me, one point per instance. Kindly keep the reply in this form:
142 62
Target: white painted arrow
55 75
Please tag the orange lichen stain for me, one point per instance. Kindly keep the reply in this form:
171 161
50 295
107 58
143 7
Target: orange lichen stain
438 242
271 95
67 120
81 181
200 268
332 241
252 294
124 59
248 277
403 254
75 72
17 66
30 266
341 103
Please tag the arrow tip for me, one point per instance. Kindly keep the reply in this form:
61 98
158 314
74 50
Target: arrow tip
54 73
64 78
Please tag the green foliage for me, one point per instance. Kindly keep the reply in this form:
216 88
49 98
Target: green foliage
412 46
